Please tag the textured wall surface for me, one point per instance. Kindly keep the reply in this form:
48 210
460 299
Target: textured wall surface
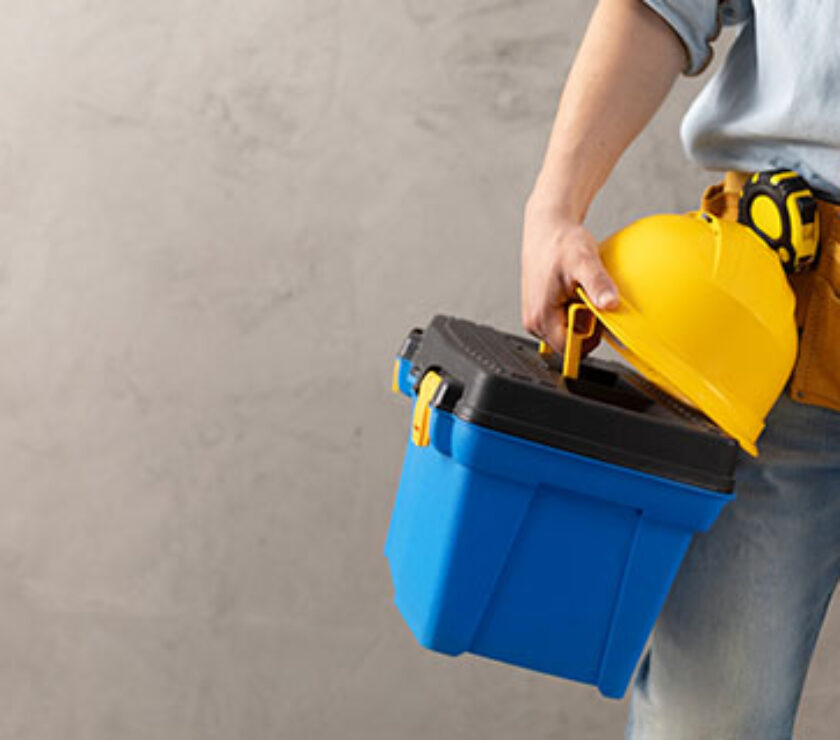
218 219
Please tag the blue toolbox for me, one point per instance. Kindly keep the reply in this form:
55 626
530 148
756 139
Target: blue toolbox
540 520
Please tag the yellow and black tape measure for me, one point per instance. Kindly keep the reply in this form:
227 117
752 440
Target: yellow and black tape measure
780 207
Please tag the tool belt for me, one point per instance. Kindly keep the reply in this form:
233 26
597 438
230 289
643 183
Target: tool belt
816 375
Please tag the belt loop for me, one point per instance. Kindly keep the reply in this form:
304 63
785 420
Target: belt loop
722 200
733 181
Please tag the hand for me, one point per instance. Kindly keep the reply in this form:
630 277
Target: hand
558 254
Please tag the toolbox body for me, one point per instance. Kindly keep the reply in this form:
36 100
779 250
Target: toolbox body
541 521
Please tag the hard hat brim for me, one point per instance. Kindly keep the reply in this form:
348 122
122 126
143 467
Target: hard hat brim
631 337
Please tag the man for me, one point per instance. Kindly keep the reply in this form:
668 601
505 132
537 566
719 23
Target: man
732 646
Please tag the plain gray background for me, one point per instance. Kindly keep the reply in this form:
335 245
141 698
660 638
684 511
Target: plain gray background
219 218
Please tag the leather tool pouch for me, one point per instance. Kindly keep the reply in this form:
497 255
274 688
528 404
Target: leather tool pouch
816 375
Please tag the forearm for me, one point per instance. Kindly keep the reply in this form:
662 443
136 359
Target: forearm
626 64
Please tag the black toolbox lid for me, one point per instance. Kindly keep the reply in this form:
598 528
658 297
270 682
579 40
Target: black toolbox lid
500 381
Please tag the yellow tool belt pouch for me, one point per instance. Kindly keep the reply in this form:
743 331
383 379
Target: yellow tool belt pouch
816 375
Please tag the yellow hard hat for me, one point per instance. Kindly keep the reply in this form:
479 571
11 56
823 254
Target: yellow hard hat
705 312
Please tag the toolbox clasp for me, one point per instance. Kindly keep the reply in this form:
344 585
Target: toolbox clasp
422 408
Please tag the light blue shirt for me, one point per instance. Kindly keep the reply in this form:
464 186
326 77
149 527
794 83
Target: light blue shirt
775 101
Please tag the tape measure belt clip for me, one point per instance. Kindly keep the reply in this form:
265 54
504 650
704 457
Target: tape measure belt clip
780 207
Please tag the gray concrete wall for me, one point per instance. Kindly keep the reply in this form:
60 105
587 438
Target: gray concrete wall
218 218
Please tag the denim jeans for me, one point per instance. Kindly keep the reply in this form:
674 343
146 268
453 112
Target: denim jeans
732 646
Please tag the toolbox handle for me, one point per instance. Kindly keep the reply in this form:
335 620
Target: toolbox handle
581 325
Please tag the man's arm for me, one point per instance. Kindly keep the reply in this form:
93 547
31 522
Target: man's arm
626 64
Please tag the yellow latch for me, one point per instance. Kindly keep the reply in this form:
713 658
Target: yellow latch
422 412
395 380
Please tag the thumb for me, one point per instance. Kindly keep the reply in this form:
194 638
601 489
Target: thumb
596 283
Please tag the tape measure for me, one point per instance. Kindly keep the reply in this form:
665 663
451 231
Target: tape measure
780 207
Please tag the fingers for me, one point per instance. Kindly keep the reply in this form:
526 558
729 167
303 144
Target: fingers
554 328
544 293
581 267
547 321
556 259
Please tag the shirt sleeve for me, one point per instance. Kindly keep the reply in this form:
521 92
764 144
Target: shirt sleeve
698 23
